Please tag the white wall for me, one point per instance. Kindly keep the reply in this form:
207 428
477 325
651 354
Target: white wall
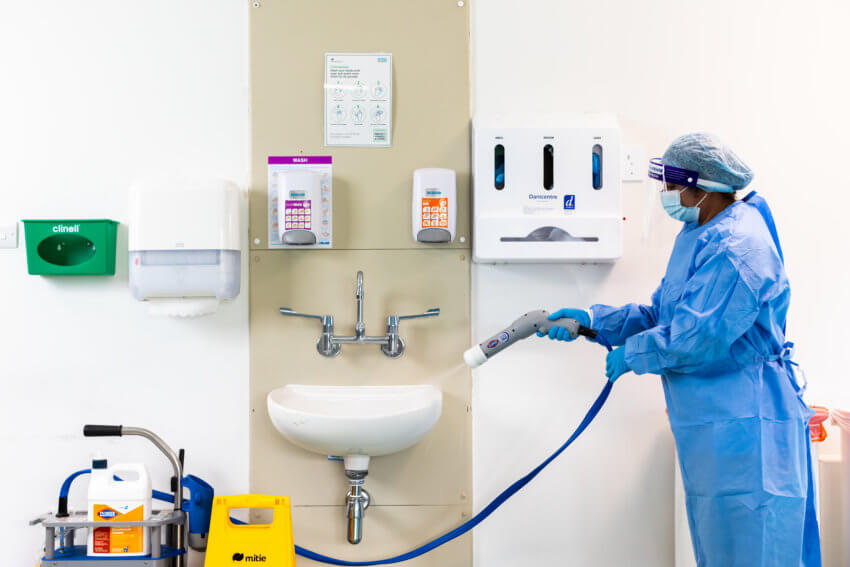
93 94
766 76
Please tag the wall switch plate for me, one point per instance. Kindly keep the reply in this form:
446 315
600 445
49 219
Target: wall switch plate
635 166
9 235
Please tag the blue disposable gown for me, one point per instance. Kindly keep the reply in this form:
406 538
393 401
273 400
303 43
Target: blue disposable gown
715 334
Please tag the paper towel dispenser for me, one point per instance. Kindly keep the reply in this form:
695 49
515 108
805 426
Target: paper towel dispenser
184 244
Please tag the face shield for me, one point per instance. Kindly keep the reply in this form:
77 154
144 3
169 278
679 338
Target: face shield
669 178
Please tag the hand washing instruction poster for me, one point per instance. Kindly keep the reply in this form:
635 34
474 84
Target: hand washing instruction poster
358 99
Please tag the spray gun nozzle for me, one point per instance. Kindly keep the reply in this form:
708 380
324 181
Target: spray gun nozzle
474 357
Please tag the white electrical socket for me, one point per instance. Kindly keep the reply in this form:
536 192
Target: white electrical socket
9 235
635 165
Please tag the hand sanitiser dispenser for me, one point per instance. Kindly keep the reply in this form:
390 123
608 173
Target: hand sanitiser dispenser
434 205
546 188
184 245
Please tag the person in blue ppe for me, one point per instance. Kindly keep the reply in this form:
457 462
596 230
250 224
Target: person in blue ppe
715 333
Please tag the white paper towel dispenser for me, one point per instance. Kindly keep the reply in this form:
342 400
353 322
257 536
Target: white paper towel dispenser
546 188
184 244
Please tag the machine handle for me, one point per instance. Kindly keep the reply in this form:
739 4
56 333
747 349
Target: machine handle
579 329
430 313
181 455
587 332
103 430
292 313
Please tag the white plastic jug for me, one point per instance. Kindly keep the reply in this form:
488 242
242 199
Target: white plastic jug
112 500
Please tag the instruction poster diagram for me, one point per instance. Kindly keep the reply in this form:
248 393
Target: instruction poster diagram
358 99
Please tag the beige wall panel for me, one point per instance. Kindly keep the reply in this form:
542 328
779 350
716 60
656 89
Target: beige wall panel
434 472
425 490
387 531
429 41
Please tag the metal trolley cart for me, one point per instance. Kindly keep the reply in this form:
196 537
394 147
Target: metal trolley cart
60 551
168 528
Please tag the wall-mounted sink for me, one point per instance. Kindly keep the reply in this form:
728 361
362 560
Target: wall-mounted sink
356 423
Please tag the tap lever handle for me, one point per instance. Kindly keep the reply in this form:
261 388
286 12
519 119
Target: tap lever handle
291 312
430 313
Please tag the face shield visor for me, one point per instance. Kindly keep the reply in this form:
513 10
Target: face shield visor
669 178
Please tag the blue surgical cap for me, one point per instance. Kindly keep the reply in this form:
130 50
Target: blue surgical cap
717 166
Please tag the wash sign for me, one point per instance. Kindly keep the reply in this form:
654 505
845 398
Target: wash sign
569 202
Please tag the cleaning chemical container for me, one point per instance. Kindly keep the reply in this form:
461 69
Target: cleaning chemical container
841 418
113 500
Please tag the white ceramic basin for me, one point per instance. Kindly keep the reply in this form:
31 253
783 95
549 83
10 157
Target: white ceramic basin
355 422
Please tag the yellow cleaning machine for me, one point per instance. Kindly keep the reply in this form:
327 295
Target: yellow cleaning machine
167 531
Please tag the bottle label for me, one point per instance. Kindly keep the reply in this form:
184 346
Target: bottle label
118 540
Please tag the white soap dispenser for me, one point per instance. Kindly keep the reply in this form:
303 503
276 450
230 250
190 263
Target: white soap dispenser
434 205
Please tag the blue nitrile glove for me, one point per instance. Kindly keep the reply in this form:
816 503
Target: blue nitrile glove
560 333
615 363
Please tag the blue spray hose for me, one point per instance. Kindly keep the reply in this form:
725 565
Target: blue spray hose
449 536
491 507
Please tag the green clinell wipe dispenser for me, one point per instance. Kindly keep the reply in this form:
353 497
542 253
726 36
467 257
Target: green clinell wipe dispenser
71 247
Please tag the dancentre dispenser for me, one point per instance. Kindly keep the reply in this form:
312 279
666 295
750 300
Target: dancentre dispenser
546 188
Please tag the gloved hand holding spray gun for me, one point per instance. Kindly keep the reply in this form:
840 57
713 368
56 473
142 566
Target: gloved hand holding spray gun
539 322
563 325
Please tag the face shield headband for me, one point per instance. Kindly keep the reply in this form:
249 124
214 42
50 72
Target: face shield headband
669 175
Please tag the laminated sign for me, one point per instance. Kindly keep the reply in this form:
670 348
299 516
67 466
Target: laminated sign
358 99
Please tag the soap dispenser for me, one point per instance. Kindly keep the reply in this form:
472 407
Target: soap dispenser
434 205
